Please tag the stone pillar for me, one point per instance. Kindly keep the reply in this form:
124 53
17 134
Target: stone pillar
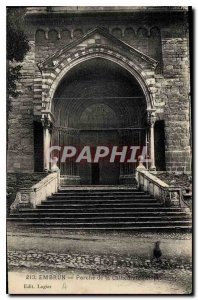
76 144
46 141
147 146
151 122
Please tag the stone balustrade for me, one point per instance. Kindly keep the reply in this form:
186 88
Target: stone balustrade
168 195
31 197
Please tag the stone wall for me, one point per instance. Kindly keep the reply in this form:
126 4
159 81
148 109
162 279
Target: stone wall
145 40
176 112
20 156
16 181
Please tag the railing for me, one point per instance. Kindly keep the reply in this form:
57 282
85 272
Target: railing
31 197
168 195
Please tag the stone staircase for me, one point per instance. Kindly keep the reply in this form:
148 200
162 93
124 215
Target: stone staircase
103 208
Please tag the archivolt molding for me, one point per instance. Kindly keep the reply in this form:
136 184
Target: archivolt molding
51 77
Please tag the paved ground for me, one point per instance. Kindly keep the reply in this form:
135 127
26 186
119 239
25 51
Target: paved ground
101 244
124 258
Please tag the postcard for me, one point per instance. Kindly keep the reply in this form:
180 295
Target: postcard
99 150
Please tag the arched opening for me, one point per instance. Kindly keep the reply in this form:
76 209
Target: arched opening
98 103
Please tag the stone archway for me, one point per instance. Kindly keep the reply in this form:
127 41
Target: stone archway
134 63
106 107
52 80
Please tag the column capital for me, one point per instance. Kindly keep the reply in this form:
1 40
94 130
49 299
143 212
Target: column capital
151 117
47 119
46 122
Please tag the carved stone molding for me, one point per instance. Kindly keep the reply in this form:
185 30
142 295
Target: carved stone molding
151 117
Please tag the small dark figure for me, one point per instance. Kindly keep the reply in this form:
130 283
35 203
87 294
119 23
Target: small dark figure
157 253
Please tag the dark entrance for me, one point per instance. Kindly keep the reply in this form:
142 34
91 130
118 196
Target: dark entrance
160 146
38 147
95 173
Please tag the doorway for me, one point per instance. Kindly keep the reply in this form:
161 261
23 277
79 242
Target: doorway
103 108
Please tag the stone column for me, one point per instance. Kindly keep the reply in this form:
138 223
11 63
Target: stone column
46 141
147 145
76 133
151 122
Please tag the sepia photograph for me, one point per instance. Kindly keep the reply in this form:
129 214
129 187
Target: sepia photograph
99 150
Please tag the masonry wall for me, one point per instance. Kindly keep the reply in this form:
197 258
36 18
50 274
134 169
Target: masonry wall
20 154
16 181
162 37
176 112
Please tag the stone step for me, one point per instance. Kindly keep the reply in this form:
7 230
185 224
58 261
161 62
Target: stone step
52 213
97 205
163 229
98 192
99 197
110 224
99 202
108 188
103 219
103 210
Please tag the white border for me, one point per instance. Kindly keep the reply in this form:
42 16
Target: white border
193 3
